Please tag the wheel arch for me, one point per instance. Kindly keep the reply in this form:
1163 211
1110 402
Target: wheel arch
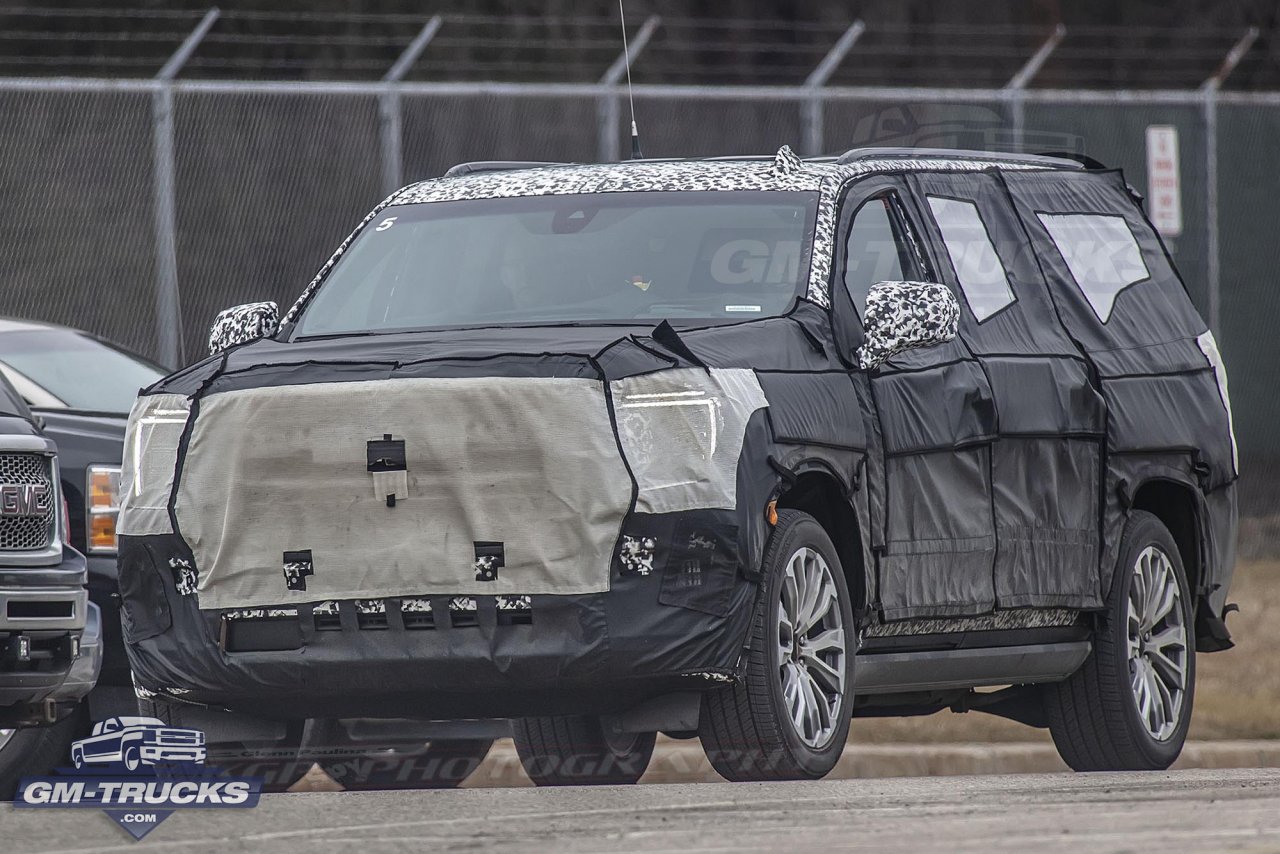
1177 506
823 495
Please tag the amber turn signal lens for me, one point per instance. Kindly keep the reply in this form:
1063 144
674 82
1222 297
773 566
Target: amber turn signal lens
771 512
103 506
102 531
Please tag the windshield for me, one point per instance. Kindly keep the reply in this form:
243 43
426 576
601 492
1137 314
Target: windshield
64 369
601 257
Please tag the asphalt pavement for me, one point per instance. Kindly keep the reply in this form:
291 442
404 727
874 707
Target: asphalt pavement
1197 810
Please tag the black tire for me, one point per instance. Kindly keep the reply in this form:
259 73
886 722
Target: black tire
440 764
745 728
38 750
576 751
1094 715
277 762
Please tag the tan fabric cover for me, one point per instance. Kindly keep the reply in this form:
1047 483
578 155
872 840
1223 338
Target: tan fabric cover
530 462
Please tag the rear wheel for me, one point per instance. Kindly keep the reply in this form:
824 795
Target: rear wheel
580 751
1129 706
788 719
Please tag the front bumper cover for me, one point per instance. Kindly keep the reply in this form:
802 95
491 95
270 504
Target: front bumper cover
675 616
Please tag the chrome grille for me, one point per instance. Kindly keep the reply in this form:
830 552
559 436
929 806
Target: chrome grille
27 532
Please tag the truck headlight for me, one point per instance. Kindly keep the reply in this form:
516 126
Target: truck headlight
681 431
102 508
150 459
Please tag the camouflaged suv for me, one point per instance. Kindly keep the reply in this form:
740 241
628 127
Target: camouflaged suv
740 448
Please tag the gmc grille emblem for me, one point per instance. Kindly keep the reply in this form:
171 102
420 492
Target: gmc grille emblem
25 499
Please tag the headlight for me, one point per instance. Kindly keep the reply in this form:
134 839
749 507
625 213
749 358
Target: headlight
150 458
682 431
102 507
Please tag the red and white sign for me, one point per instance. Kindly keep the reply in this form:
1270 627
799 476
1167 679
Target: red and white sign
1164 186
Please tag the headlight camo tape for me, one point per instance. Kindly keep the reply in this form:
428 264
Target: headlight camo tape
150 458
682 433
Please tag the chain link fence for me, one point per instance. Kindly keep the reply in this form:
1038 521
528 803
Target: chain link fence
138 209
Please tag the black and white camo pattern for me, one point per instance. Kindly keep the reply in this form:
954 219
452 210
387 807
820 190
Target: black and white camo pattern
486 567
247 322
184 576
330 608
462 603
259 613
826 178
295 575
786 162
903 315
1014 618
636 555
710 676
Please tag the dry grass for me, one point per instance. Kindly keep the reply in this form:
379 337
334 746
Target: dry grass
1237 696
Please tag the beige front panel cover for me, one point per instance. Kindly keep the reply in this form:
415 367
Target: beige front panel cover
529 462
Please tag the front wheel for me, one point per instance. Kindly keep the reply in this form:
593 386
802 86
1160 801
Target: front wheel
580 751
1129 705
788 719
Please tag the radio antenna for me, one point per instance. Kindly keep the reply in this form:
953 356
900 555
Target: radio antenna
626 58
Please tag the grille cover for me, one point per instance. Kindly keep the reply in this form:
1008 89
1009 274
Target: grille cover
27 532
528 462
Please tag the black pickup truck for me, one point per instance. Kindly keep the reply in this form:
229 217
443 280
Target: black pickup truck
50 634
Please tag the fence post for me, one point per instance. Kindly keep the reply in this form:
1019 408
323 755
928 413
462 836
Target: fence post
390 118
168 304
608 106
812 107
1212 268
1016 87
1210 87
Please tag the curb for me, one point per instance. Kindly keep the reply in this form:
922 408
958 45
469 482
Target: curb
684 762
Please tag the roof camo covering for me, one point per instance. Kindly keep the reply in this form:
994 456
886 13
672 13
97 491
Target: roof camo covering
786 172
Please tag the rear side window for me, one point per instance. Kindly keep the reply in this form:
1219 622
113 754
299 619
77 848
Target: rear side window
978 269
1101 253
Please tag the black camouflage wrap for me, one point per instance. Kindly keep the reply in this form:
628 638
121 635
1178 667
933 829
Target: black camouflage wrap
978 484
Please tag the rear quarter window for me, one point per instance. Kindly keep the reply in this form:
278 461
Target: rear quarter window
1101 253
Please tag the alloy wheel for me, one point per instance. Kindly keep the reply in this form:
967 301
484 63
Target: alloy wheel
811 648
1157 643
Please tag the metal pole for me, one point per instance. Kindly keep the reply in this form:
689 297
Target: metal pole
812 108
1019 82
1213 261
390 117
168 306
608 106
1212 268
